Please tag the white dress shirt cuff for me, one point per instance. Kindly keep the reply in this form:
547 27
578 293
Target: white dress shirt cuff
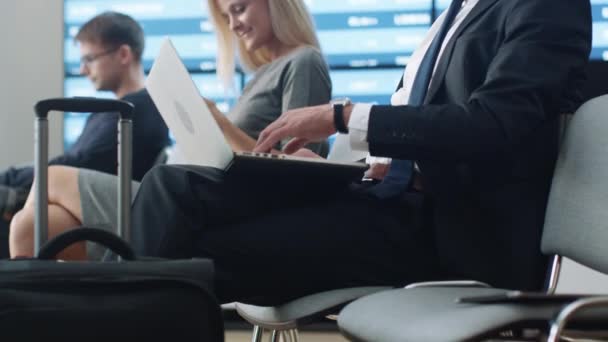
377 160
357 126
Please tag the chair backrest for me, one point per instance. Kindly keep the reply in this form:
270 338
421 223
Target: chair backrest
576 223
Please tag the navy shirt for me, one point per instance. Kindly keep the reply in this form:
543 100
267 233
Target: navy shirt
96 147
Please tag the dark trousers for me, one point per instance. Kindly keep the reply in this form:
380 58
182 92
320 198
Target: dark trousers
274 241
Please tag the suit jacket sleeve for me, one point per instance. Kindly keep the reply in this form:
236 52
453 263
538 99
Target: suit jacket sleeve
540 51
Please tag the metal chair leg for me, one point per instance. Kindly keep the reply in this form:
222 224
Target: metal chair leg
257 334
559 324
290 335
274 336
294 335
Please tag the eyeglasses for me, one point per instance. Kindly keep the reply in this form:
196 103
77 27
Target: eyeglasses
88 59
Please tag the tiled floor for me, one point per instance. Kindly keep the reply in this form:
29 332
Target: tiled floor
307 336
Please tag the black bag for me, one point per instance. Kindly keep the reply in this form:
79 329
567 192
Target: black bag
130 299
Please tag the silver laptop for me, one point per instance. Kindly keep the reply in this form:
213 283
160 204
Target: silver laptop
201 141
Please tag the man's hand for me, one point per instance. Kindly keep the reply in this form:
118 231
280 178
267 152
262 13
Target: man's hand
377 171
305 125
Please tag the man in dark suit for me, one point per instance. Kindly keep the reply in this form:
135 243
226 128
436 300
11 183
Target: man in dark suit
484 92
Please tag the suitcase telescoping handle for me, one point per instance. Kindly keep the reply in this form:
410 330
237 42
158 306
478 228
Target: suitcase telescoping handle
59 243
41 142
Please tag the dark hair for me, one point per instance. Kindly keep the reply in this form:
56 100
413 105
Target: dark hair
113 29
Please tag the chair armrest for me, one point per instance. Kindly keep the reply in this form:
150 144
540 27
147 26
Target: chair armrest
448 283
559 323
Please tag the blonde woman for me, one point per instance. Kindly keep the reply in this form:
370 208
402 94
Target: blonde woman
275 40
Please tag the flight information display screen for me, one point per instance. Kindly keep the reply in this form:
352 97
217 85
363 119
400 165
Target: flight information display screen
207 83
366 85
184 21
440 6
353 33
364 33
600 30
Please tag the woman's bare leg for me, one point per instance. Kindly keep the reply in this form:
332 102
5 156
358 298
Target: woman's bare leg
64 213
21 238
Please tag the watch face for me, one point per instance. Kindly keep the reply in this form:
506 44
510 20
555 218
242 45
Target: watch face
341 101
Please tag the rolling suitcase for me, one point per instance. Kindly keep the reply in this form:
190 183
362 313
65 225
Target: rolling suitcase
128 299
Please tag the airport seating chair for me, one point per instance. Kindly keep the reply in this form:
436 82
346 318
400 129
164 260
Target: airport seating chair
576 227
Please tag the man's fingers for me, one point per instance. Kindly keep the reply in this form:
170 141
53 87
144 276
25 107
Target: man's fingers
294 144
270 139
262 139
266 132
377 171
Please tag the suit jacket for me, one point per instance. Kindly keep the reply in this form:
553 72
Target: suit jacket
96 148
486 139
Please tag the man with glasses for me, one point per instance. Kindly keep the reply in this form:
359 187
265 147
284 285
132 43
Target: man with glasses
111 46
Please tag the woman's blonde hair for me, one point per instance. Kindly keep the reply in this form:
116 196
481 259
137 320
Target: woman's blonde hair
291 24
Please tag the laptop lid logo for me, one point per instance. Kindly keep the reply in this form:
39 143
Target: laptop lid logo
184 117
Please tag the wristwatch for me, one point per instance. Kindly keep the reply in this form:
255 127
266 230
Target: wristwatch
338 107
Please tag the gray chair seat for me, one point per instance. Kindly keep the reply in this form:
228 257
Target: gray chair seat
302 310
434 314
